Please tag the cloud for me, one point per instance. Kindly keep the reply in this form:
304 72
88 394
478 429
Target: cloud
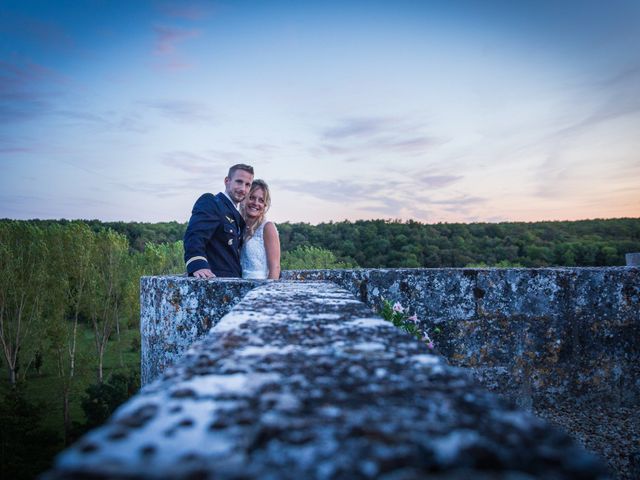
550 177
385 206
180 110
166 46
428 209
29 90
622 92
459 202
262 149
198 172
410 144
167 38
356 127
439 181
38 206
19 106
22 90
355 136
111 120
194 164
19 75
156 189
210 166
333 150
385 199
339 191
627 76
399 189
82 116
12 150
21 206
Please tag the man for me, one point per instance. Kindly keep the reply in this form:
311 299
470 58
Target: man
214 235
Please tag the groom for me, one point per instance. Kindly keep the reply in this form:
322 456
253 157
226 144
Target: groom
214 235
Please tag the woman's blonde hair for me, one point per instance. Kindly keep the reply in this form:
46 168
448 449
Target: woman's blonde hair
257 183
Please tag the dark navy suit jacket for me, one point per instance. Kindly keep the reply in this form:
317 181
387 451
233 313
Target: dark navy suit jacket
214 236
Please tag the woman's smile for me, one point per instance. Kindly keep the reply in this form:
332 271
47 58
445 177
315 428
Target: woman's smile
255 203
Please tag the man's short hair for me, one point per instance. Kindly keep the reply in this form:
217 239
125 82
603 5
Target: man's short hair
240 166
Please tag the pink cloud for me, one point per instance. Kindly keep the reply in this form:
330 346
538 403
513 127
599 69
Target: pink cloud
17 76
167 39
175 65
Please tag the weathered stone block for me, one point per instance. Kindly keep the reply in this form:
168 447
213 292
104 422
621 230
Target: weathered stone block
537 334
177 310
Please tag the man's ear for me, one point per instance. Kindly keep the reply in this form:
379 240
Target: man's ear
226 181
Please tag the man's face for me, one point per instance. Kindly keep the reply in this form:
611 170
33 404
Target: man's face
237 186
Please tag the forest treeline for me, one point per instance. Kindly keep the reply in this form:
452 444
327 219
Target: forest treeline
391 244
385 243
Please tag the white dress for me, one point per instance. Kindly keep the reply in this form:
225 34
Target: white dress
253 256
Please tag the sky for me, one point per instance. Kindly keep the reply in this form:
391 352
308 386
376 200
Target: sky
433 111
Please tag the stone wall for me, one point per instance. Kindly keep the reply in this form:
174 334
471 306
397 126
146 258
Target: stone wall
540 335
562 342
177 310
300 380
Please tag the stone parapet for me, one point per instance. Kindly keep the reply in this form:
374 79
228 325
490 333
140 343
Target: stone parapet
539 335
300 381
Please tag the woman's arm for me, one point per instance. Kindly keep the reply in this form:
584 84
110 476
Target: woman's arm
272 247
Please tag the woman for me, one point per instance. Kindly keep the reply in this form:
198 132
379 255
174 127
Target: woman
260 255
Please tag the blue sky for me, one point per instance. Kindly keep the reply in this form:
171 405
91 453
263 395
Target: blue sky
437 111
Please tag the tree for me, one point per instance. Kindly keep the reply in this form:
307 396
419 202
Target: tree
109 288
22 291
70 258
305 258
162 259
102 399
78 241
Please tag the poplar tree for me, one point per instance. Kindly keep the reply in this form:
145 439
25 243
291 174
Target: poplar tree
70 256
108 283
23 278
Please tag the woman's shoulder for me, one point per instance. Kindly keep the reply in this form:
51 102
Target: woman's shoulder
270 226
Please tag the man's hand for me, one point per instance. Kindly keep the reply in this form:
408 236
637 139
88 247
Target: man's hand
203 273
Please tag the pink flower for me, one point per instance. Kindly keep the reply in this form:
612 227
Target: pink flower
413 318
398 308
430 345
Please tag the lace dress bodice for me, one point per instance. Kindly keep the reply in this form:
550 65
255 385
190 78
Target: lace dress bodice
253 256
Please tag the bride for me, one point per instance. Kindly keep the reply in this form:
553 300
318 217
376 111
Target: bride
260 255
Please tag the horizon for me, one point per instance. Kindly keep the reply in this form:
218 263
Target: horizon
385 220
434 112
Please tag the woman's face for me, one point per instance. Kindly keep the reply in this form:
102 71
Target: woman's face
255 203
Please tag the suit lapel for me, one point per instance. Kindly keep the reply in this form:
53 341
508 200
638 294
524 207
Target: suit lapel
234 212
226 201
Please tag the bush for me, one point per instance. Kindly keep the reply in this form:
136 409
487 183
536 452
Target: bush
308 258
102 399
